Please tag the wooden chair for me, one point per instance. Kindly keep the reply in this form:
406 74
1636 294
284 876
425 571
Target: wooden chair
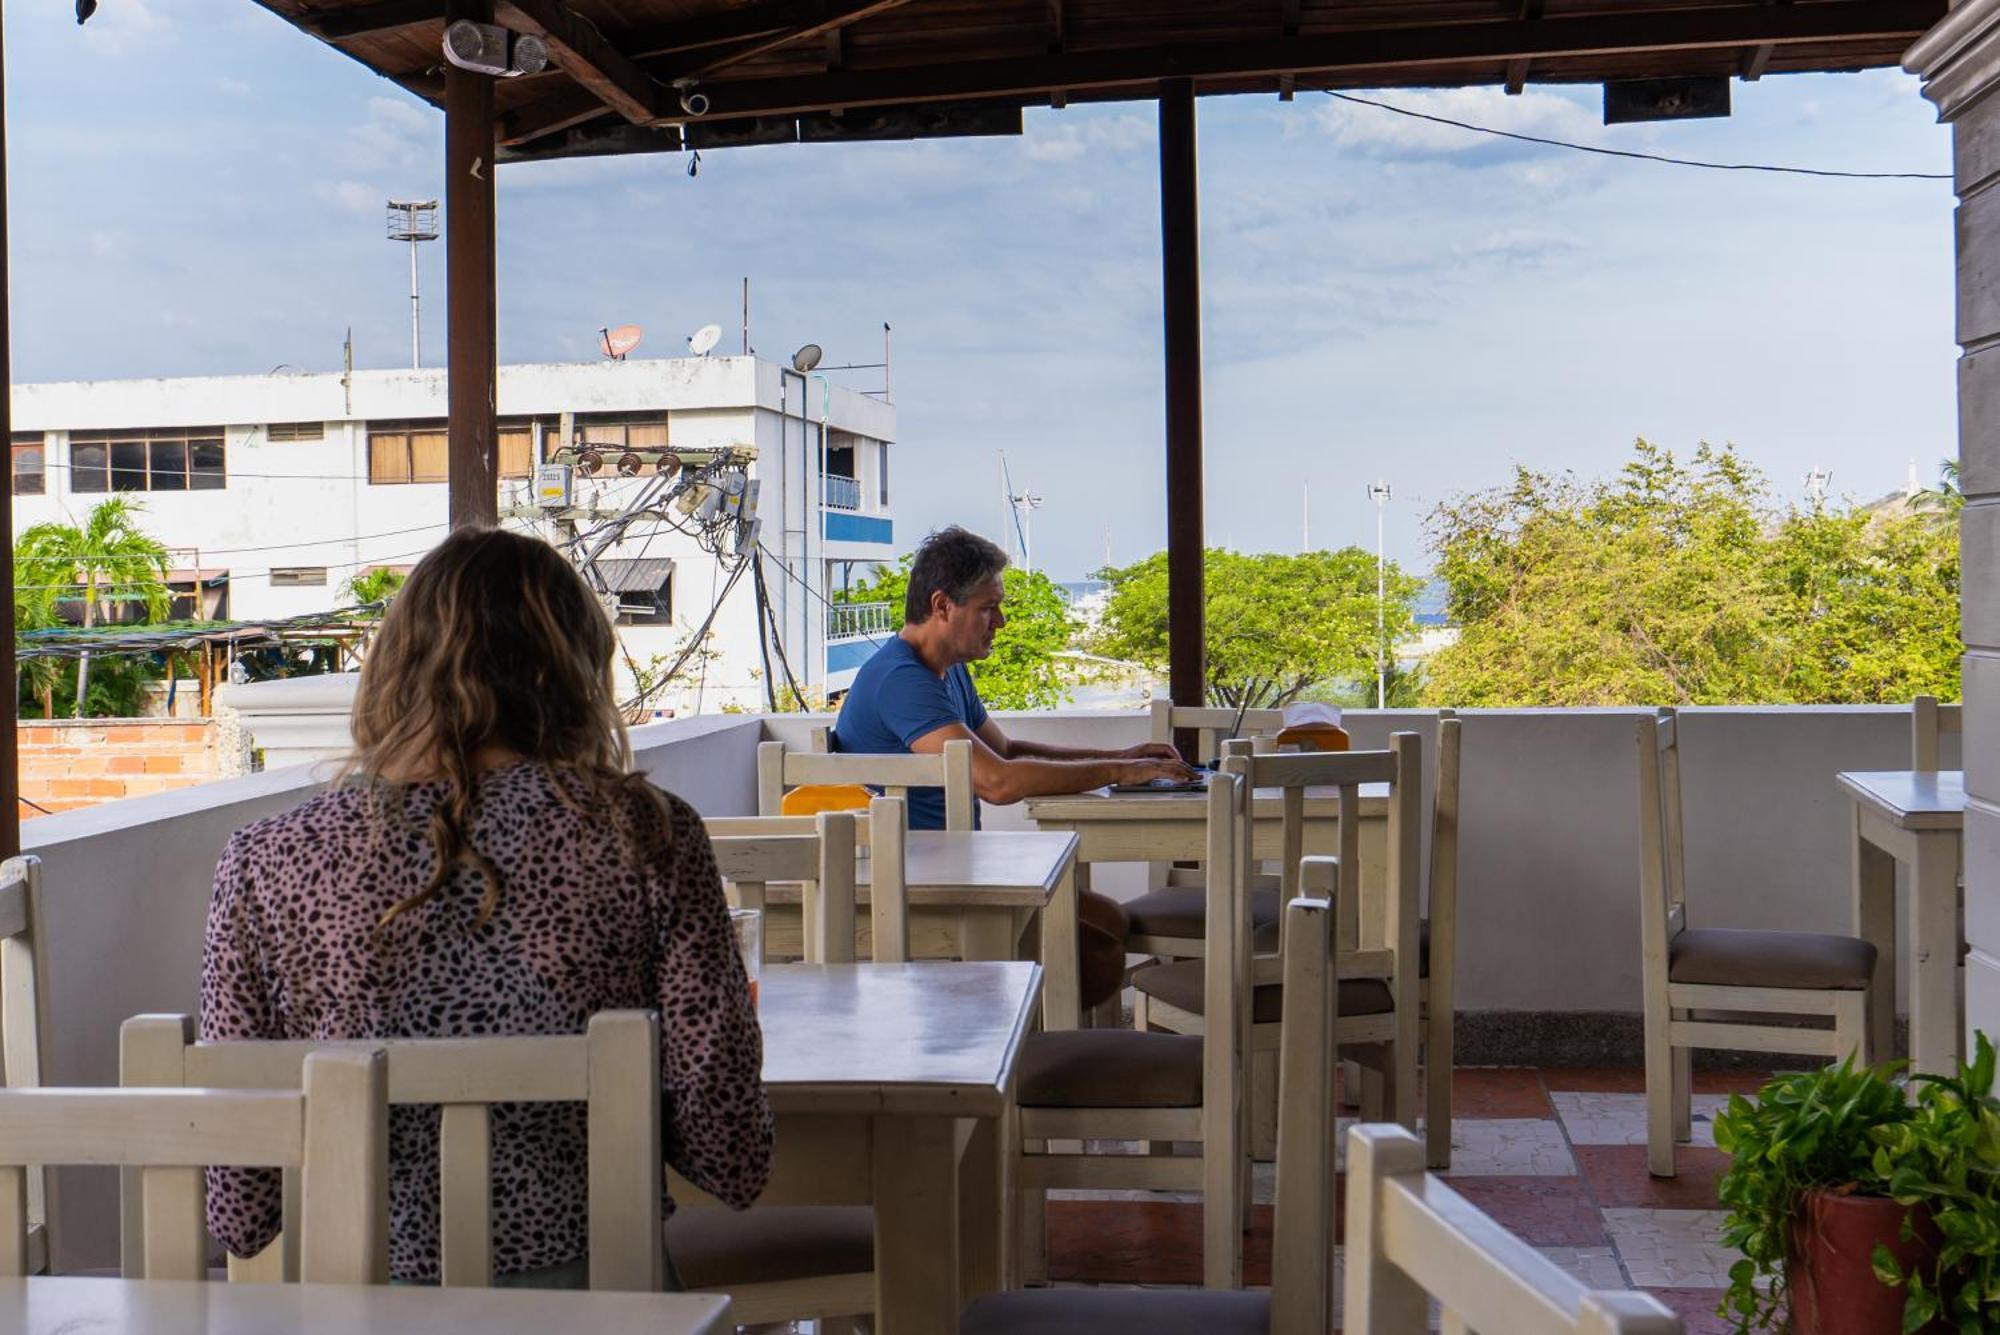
1379 985
614 1068
1082 1085
1212 726
23 1001
1437 948
330 1129
1411 1239
1686 969
1930 722
817 853
779 770
802 1263
1300 1299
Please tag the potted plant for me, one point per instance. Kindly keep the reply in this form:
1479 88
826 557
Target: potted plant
1860 1211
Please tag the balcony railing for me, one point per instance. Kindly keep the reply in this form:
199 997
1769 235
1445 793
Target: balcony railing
845 621
840 493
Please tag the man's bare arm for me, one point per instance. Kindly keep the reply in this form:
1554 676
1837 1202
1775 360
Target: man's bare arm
1000 779
1008 748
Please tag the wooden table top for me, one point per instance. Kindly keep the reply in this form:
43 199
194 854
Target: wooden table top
47 1305
1017 869
1101 804
923 1039
1911 799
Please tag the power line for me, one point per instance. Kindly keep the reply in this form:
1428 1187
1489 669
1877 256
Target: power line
1637 156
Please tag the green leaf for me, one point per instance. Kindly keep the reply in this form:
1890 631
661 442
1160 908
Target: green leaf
1884 1265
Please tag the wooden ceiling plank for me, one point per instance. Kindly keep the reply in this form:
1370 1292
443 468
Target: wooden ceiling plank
1290 15
365 20
1758 58
820 17
558 111
1058 28
590 58
1688 30
1517 70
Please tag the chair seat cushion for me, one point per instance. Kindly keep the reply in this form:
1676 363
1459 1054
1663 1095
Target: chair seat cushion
1179 985
720 1249
1110 1068
1118 1312
1726 957
1182 911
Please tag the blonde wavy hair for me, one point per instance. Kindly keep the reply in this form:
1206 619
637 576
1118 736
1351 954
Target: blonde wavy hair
496 643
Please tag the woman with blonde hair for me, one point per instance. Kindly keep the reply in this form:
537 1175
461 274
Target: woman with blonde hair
490 864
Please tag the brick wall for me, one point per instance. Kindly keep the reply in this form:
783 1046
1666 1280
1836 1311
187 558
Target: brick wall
67 764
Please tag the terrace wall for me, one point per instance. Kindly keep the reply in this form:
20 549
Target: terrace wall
69 764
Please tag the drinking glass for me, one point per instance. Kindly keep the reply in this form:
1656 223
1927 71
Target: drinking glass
747 926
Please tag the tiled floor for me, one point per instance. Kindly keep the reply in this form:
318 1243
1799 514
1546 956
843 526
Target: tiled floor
1558 1156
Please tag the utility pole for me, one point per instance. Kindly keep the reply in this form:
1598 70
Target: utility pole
1305 518
1379 493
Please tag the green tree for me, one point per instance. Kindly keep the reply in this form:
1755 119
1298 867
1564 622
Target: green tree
1276 626
107 559
1023 671
1681 582
377 585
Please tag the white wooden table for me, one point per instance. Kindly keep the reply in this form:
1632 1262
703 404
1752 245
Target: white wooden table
1916 817
62 1306
975 895
892 1084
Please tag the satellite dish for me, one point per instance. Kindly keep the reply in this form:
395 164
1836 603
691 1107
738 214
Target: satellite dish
617 342
704 338
806 358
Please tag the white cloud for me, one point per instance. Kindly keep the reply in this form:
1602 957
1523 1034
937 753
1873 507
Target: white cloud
1078 135
397 136
233 87
352 196
126 26
1387 134
1061 143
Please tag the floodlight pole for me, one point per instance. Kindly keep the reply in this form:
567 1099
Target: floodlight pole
1379 493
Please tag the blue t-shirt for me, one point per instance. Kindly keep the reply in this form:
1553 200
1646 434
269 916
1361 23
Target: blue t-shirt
895 700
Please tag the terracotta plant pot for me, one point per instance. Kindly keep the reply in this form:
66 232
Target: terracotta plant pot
1832 1277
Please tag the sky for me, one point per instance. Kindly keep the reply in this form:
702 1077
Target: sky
197 188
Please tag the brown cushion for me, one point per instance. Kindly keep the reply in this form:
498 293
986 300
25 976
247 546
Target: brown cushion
1118 1312
1179 985
716 1249
1182 911
1110 1068
1729 958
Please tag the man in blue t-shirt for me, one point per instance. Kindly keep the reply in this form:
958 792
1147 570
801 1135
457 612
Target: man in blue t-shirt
914 695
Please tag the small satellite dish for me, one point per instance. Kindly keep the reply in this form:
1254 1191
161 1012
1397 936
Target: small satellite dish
704 338
617 342
806 358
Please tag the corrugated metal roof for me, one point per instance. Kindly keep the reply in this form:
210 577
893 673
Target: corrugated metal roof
645 575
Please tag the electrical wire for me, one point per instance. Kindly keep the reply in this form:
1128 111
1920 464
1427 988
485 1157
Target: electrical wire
695 641
1634 155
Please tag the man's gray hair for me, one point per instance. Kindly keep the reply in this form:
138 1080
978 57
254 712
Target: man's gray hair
952 561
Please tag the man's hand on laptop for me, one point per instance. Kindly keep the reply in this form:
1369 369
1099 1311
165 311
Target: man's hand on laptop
1150 751
1146 771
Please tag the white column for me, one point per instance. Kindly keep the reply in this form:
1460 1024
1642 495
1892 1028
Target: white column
1959 62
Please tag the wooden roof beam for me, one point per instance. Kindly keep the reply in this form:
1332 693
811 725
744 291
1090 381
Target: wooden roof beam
380 16
1517 70
810 19
1033 77
590 58
558 111
1758 57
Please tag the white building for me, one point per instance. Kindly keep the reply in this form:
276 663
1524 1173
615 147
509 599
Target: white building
273 491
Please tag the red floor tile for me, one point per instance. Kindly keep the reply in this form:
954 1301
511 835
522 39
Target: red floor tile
1616 1176
1498 1091
1632 1080
1541 1211
1143 1242
1696 1309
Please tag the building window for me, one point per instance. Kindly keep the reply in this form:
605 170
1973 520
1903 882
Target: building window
883 473
614 433
407 452
298 577
175 459
30 479
516 439
281 432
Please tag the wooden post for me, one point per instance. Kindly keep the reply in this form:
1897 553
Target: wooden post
472 362
1180 252
10 725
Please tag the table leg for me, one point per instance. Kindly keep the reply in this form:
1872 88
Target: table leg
1061 997
982 1214
1875 920
1934 1045
985 933
916 1225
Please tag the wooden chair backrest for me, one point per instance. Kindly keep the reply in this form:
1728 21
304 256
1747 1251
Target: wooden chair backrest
330 1127
23 1002
1411 1239
779 770
1443 906
1929 723
1225 1049
614 1068
1302 1238
1662 874
813 851
1211 726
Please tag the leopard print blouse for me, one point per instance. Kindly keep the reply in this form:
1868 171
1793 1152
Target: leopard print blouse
293 952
